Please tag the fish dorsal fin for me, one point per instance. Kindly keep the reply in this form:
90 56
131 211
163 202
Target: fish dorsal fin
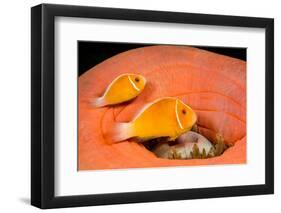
146 106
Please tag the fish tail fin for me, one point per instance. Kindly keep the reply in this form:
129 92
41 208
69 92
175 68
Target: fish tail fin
122 131
98 102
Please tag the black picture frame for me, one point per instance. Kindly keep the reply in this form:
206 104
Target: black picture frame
43 111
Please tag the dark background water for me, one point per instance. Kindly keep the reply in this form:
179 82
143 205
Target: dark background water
92 53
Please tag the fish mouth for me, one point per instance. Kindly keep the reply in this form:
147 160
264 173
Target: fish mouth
144 80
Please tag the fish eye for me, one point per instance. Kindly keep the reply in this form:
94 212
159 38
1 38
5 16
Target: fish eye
183 111
137 79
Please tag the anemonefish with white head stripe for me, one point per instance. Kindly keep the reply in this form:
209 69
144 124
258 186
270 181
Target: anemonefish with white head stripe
165 117
123 88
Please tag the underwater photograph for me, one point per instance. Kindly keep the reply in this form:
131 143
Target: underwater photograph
160 105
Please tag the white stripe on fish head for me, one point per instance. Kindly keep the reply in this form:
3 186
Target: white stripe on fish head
177 115
133 84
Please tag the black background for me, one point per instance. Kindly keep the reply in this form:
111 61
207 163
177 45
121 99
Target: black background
92 53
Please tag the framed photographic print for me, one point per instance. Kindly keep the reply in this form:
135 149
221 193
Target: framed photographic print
139 106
